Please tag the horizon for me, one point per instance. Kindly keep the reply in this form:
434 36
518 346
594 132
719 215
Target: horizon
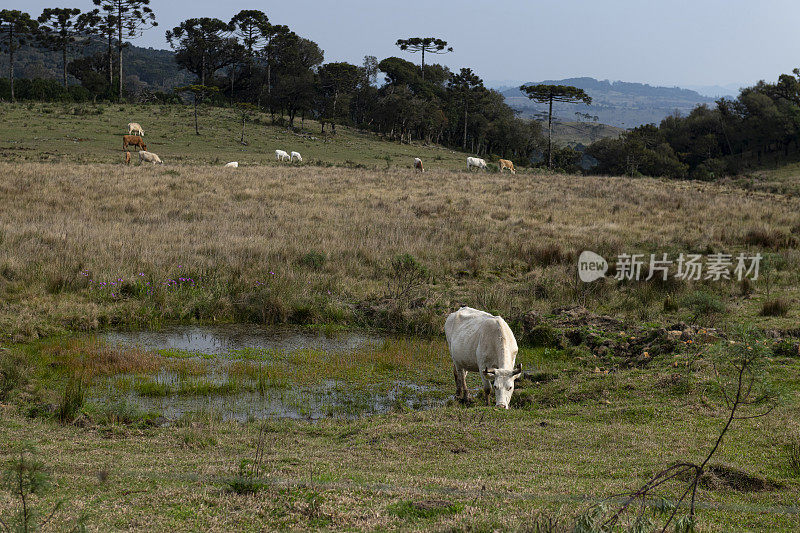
599 43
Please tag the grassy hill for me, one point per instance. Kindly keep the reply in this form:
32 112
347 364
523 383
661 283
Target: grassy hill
585 133
93 134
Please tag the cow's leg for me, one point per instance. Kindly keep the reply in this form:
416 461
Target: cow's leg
487 389
461 383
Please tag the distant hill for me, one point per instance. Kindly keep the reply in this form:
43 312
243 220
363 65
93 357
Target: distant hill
620 104
585 133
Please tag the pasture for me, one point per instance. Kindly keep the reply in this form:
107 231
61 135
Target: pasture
85 133
342 244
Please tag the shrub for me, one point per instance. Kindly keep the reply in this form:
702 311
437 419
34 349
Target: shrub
544 335
703 303
71 401
406 277
545 255
766 238
12 373
670 304
786 348
313 259
793 457
777 307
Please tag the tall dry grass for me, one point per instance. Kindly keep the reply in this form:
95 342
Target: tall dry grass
181 242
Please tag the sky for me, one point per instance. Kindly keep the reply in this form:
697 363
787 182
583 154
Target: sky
661 42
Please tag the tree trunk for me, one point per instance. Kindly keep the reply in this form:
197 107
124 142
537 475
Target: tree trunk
241 141
196 129
464 144
119 50
11 59
110 64
550 137
269 89
64 64
423 63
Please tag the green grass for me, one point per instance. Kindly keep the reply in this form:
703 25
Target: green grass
84 133
585 436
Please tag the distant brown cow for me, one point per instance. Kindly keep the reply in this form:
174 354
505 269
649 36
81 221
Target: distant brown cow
127 157
133 140
418 165
505 163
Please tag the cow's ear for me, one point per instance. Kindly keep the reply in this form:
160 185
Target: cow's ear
517 372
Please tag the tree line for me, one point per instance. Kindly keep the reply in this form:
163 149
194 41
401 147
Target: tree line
250 60
760 126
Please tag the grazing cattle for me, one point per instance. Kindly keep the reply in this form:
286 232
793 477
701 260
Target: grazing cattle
133 140
280 155
296 155
135 129
476 162
483 343
505 163
127 158
418 164
149 157
232 164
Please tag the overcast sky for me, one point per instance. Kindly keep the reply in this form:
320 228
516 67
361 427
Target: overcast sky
661 42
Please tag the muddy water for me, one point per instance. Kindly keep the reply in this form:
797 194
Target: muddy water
216 345
219 340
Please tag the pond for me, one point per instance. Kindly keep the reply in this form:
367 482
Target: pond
242 373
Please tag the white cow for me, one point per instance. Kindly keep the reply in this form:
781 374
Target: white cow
418 165
296 155
476 162
135 129
280 155
480 342
232 164
149 157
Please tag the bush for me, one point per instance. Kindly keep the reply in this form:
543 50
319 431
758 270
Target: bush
793 457
703 303
313 259
544 335
786 348
778 307
406 277
544 255
767 238
71 401
12 373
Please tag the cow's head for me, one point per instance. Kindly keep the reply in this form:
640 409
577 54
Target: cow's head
502 383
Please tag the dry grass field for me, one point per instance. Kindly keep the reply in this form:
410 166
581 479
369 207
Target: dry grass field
94 246
88 245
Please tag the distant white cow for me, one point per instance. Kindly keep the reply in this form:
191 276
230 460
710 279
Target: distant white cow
149 157
232 164
296 155
280 155
418 164
480 342
476 162
135 129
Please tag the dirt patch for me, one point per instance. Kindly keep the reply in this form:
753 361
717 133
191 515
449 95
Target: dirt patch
724 477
